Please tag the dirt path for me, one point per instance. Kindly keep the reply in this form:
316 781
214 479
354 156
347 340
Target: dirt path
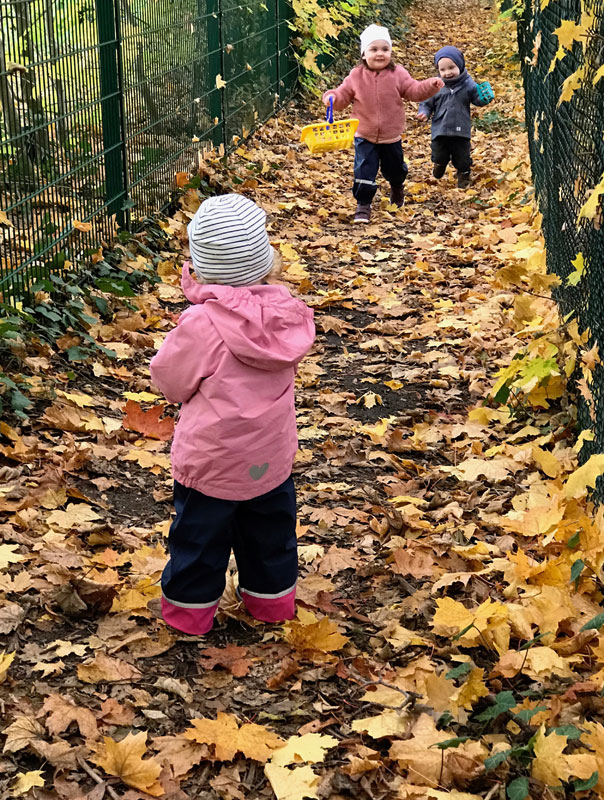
411 331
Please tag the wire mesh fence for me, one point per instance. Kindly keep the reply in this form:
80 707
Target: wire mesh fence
561 45
103 101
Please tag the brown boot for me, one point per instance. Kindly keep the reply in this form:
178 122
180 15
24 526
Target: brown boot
397 195
463 180
438 170
363 212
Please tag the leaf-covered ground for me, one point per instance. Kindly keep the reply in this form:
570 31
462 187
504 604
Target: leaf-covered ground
449 565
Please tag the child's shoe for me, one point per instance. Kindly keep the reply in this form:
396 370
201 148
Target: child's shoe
439 170
363 212
397 196
463 180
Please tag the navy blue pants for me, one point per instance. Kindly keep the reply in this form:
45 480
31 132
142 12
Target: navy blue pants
261 533
368 158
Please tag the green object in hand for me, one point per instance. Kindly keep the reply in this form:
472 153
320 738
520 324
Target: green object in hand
485 93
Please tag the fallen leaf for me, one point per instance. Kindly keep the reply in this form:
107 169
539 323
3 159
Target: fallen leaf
124 759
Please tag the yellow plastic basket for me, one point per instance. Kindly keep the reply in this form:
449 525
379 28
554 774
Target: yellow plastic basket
324 136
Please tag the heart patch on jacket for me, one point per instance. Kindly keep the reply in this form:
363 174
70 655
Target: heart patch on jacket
256 472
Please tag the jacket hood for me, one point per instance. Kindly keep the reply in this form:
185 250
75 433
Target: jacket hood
263 326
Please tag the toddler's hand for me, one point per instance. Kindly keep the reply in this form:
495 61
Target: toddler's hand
437 84
422 117
327 98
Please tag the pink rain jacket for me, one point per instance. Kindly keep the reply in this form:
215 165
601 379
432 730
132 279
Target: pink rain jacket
376 99
231 362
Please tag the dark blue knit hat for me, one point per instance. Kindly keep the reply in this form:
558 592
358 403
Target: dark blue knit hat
454 54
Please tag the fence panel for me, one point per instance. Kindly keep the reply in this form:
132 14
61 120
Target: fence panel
561 45
101 103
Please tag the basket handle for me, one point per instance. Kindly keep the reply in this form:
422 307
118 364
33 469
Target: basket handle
329 112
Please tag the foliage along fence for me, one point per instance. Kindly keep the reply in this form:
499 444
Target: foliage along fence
561 45
102 102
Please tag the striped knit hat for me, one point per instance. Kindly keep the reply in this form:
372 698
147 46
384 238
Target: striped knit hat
228 241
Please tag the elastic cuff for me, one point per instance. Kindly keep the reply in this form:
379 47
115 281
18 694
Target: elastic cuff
270 607
188 617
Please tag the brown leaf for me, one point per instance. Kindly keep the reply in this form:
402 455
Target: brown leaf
62 711
104 668
148 422
21 732
232 658
336 560
11 616
419 564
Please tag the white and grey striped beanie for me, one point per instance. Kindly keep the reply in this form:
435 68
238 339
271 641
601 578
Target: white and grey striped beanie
228 241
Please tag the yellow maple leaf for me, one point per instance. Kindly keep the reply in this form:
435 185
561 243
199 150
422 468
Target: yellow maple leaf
124 759
568 32
571 84
220 83
4 220
85 227
551 766
599 75
6 659
388 723
8 555
141 397
292 784
27 780
471 691
227 738
309 748
309 633
579 265
584 477
590 207
547 462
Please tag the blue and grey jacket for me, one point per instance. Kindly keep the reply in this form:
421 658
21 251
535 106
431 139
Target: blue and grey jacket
450 108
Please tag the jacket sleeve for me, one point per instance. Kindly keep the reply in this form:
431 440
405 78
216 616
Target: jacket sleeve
411 89
185 358
344 94
427 107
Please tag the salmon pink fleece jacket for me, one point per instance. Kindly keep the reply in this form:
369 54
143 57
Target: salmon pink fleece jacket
376 99
231 362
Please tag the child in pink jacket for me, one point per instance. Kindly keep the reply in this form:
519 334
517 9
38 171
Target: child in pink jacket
376 88
231 362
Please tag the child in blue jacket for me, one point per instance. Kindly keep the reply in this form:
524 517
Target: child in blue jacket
450 112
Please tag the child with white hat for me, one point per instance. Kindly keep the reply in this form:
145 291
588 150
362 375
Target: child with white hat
376 88
231 363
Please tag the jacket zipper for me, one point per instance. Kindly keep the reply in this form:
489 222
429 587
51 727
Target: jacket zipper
377 94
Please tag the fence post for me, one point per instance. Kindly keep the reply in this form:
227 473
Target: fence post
215 67
282 47
111 108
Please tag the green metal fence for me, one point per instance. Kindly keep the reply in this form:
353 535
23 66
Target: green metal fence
103 101
562 50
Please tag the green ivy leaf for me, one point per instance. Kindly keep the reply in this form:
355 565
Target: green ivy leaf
518 789
503 702
451 742
595 623
527 714
494 761
576 570
458 672
583 786
570 731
